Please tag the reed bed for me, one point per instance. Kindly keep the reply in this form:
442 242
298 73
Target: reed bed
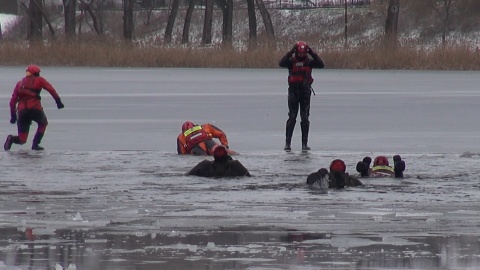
108 53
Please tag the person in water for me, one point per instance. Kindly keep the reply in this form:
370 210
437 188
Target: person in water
223 165
381 167
337 177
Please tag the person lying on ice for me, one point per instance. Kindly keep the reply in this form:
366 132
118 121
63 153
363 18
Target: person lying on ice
198 139
336 178
223 165
381 167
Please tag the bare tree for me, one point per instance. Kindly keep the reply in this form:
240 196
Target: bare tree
391 24
252 23
443 8
36 14
171 21
266 21
207 23
70 8
88 8
148 6
226 6
128 19
35 20
188 20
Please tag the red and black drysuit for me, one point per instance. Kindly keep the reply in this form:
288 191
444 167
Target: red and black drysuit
26 101
299 90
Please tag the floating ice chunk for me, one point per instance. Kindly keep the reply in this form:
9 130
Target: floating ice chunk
23 222
78 217
2 264
58 267
153 235
211 245
72 266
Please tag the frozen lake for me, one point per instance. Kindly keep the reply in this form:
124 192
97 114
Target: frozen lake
109 192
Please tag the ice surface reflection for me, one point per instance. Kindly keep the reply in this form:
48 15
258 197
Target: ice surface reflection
234 248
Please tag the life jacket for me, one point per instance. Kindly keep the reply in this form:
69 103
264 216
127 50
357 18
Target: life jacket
301 72
382 171
27 88
194 136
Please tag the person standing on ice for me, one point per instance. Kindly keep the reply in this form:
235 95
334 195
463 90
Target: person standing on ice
300 81
26 102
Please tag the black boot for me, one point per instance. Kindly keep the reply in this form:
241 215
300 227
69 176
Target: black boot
305 128
288 142
36 142
289 133
9 141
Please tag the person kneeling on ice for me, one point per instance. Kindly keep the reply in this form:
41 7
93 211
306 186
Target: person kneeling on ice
223 165
198 139
381 167
336 178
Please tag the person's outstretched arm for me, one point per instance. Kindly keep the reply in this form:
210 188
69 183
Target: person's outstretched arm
47 86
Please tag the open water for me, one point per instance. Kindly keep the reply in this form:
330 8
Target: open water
109 191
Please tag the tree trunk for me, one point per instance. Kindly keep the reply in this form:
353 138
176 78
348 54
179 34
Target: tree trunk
188 20
266 21
252 23
207 23
222 5
35 21
128 19
70 8
229 23
391 24
88 8
171 21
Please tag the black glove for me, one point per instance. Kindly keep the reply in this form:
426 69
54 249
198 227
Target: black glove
367 160
362 168
293 49
309 50
59 104
13 118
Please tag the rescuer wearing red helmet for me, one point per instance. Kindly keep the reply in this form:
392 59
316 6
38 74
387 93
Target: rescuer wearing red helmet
381 167
300 81
337 177
198 139
223 165
26 103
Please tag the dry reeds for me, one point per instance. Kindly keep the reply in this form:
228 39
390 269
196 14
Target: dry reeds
107 53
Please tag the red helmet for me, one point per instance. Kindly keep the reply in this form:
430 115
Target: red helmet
33 69
187 125
219 151
380 161
338 165
301 47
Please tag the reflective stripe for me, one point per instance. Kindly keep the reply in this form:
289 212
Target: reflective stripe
383 169
191 130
